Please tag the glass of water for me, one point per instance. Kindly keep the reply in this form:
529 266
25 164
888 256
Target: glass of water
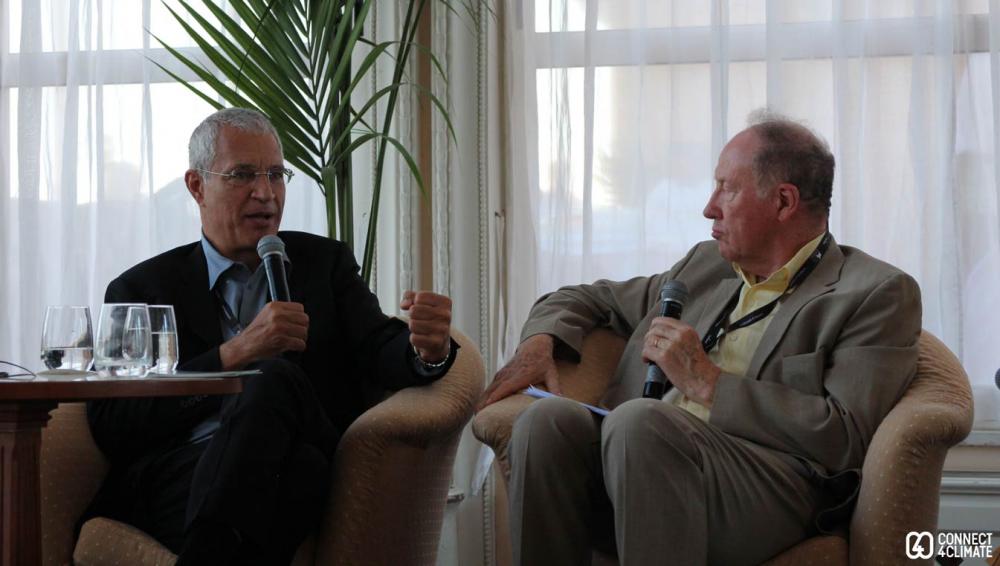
124 340
67 339
165 349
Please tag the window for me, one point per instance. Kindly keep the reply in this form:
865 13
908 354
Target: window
93 149
630 102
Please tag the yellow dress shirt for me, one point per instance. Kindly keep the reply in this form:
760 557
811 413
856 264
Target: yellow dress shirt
736 348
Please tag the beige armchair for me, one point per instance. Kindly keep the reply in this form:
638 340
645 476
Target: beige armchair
390 482
901 474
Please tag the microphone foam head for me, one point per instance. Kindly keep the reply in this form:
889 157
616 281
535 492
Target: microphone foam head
675 291
269 245
997 379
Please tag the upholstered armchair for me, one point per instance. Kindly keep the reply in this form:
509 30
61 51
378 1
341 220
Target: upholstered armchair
390 484
901 473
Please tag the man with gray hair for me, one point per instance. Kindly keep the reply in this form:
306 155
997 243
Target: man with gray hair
789 352
241 479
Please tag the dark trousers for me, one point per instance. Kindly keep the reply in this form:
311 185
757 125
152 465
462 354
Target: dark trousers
250 494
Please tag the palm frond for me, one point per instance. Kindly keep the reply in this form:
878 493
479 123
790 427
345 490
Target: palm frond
300 62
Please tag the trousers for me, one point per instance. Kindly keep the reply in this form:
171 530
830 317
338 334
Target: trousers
250 493
653 483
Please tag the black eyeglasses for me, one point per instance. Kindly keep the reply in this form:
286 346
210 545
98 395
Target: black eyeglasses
246 177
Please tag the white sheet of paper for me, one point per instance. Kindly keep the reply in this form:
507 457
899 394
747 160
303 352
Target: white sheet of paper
200 374
533 391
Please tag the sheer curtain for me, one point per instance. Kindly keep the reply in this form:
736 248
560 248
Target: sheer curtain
618 110
93 149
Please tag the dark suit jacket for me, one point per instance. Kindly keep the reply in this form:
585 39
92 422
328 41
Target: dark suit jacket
837 355
353 354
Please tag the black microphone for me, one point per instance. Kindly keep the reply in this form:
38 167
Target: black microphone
272 252
673 295
996 378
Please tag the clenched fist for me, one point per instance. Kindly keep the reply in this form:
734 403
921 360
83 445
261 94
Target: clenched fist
430 324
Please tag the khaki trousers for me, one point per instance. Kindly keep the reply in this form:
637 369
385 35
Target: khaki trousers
671 488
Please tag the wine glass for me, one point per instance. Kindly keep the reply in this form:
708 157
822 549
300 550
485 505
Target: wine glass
123 340
165 350
67 338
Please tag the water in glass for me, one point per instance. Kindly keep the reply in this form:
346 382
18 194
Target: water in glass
123 340
67 339
165 353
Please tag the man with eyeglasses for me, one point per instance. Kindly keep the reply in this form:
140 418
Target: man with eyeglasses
241 479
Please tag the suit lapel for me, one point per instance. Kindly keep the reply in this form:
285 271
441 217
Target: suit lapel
195 300
818 283
295 270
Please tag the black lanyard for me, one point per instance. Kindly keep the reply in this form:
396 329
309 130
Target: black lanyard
231 321
719 327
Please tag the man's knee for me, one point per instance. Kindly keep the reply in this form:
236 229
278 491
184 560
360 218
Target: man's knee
278 367
553 422
277 377
649 426
281 386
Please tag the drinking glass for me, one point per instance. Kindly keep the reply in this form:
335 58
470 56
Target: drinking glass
124 341
165 350
67 338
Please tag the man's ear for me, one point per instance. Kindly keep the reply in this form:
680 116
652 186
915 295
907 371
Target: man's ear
195 185
787 200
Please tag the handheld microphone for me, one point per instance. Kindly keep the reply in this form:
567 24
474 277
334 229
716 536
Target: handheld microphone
673 295
272 252
997 379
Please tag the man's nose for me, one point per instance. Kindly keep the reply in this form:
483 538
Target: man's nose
711 210
262 188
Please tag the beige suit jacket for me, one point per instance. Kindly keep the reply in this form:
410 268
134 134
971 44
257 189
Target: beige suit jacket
836 357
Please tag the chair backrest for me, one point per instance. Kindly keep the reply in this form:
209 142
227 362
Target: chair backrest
901 477
588 380
72 469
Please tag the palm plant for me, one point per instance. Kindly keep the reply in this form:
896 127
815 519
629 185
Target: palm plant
292 60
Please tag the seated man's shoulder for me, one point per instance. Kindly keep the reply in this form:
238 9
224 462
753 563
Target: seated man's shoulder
707 250
150 280
162 265
867 270
306 244
704 259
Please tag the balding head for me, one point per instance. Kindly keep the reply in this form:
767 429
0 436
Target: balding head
772 194
789 152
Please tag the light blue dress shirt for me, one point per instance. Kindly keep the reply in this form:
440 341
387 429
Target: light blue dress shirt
244 293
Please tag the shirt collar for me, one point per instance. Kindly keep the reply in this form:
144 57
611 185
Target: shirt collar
779 280
217 263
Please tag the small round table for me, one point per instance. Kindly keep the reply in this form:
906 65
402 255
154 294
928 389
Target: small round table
24 411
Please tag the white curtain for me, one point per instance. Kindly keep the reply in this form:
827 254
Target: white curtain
617 110
93 149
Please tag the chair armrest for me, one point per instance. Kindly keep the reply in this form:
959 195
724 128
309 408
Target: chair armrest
901 476
585 381
393 467
493 425
415 415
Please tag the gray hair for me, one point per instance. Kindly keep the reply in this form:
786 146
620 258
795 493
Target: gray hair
792 153
201 147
